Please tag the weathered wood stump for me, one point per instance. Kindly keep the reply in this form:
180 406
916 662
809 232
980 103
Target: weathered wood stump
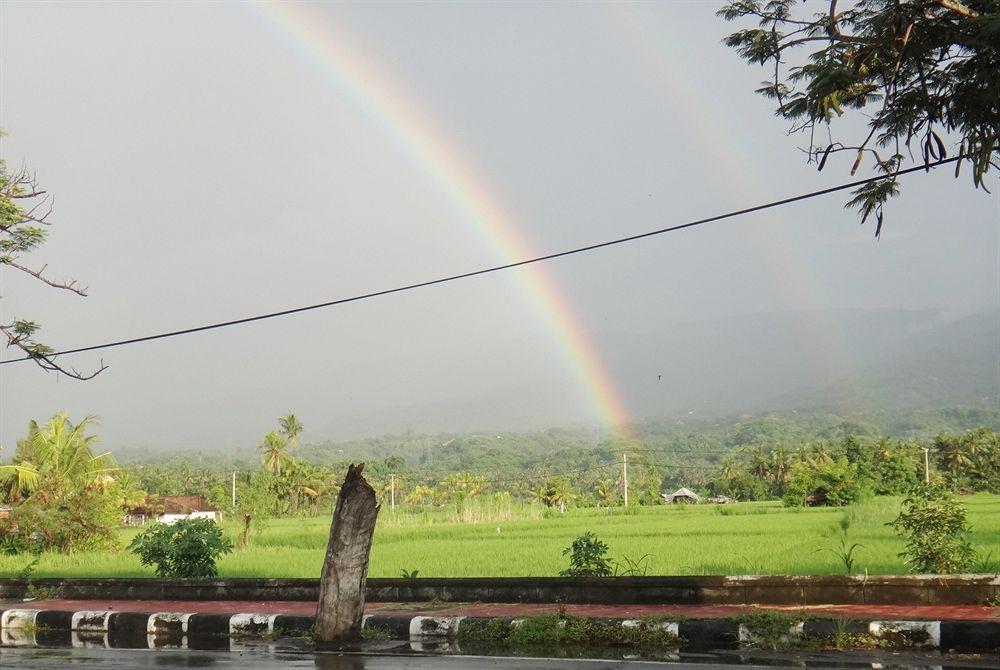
345 568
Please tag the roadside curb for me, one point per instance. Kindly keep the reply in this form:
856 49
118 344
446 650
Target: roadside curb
113 629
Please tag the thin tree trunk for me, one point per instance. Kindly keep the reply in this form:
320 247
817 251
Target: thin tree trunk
345 568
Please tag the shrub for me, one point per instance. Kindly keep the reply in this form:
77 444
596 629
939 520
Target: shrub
78 520
588 557
834 483
187 548
937 537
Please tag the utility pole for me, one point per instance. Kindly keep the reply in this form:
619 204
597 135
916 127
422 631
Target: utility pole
625 474
927 465
234 490
392 492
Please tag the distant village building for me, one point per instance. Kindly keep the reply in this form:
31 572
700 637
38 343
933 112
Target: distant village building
168 509
681 496
719 500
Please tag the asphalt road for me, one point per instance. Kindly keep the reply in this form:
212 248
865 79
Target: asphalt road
122 659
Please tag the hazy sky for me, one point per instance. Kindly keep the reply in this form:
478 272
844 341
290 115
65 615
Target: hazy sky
210 163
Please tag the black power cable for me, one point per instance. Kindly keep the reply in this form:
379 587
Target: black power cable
483 271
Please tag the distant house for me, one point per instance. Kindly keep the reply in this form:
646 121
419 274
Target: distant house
681 496
719 500
168 509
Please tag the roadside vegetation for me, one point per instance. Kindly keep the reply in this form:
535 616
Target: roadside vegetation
818 494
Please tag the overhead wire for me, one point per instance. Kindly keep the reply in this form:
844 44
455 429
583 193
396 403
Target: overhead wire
482 271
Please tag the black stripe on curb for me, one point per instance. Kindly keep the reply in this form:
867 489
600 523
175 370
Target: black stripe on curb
398 627
293 625
829 628
970 635
54 620
208 624
709 632
127 630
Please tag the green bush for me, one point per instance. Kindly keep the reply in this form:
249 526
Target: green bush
588 557
186 548
833 483
933 524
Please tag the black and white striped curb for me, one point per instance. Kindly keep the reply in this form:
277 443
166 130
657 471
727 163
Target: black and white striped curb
35 627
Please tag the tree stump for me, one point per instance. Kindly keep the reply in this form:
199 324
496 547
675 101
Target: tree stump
345 568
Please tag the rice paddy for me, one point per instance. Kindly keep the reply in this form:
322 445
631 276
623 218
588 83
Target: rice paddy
516 540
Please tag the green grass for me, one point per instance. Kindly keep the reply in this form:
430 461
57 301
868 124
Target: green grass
747 538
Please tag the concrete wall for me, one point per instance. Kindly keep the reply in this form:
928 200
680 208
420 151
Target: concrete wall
790 590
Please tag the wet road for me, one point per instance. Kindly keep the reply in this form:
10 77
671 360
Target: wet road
122 659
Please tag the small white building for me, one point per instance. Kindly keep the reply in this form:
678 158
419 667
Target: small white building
169 509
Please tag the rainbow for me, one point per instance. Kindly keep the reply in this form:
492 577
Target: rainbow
661 53
399 116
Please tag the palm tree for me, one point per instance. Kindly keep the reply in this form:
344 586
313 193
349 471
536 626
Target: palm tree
19 480
274 454
781 463
760 465
605 491
291 428
59 457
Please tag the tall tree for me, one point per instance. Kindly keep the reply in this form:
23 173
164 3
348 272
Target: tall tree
274 453
24 219
922 72
291 428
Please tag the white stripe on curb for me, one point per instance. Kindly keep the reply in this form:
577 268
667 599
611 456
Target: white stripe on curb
90 621
249 624
434 627
18 619
884 628
671 627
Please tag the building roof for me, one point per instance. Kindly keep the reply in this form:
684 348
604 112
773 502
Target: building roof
174 505
682 493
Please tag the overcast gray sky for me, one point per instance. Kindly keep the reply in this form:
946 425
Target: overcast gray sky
210 162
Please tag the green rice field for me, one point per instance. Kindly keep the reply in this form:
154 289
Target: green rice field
745 538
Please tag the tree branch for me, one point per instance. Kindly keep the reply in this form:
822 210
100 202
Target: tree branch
39 275
958 8
44 360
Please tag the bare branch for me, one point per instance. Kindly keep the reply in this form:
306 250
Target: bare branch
39 275
958 8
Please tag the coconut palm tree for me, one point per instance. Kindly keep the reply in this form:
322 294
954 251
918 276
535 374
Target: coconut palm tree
291 428
605 491
273 452
59 457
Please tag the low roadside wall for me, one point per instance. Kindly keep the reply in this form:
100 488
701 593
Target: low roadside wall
738 590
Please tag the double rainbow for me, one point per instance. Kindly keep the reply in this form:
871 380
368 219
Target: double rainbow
370 88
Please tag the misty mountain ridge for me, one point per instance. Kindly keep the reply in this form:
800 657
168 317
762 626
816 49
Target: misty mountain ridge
908 364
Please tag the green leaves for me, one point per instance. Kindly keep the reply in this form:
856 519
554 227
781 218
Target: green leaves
934 524
922 71
588 557
188 548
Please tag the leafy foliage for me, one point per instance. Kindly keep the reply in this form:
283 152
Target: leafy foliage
916 70
934 525
588 557
834 482
187 548
67 495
